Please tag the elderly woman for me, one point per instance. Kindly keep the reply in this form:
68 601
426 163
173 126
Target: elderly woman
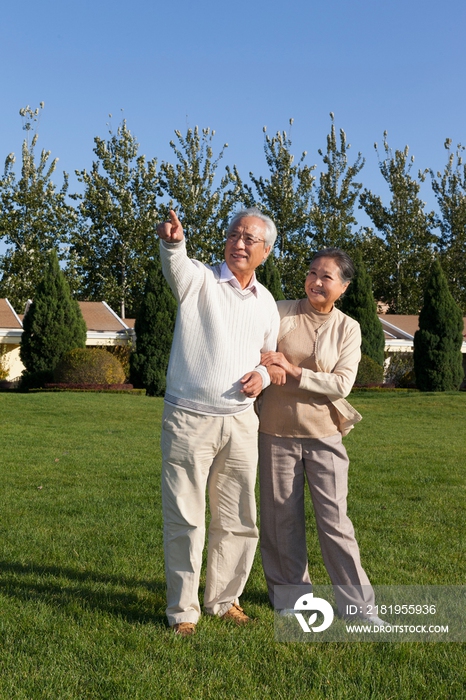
303 416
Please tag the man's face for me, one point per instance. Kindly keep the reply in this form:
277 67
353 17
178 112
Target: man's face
241 258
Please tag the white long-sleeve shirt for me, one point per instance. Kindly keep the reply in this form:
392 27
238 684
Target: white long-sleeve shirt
219 334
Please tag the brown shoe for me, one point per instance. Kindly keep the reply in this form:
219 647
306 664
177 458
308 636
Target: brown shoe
184 629
236 615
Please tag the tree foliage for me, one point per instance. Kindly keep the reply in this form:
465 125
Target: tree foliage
332 218
400 370
53 323
154 328
4 371
110 253
400 272
89 366
450 191
268 275
358 302
108 239
286 196
34 215
369 373
203 210
437 344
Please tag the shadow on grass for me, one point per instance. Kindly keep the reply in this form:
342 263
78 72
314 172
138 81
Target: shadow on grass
73 591
255 596
133 600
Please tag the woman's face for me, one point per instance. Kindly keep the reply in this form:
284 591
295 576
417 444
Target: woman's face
323 284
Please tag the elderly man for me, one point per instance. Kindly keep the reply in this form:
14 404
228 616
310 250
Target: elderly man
209 431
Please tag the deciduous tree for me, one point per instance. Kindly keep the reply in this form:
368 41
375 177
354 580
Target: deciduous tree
287 197
408 243
111 251
450 190
203 210
332 218
34 216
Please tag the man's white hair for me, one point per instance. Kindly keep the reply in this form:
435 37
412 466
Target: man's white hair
270 228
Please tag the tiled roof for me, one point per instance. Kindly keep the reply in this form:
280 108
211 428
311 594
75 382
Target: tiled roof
394 323
99 317
401 326
8 318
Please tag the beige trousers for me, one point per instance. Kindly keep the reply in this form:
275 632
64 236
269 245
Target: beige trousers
218 453
284 465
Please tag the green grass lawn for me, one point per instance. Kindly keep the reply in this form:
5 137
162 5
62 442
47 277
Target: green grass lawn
81 565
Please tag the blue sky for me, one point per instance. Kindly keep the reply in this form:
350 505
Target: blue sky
236 67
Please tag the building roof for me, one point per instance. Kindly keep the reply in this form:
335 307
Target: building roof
8 317
399 326
399 330
100 317
403 326
104 326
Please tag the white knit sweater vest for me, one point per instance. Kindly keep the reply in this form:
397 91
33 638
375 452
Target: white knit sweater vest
219 335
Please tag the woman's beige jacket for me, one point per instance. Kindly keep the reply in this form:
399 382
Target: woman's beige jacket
337 355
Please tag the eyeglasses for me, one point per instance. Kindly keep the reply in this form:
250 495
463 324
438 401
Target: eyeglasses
249 240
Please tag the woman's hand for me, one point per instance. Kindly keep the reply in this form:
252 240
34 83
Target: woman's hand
278 358
277 375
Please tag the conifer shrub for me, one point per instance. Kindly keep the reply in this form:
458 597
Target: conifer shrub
268 275
35 380
89 366
154 328
437 344
369 372
358 302
52 326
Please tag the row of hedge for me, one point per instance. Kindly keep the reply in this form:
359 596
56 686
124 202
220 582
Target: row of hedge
97 369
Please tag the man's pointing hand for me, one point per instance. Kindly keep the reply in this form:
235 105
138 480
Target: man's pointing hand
171 231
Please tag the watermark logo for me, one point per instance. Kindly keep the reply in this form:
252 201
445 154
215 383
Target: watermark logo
363 614
309 603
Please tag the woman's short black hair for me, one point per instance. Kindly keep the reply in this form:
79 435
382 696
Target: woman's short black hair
342 259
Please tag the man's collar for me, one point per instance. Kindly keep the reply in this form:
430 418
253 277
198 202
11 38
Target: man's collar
226 275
